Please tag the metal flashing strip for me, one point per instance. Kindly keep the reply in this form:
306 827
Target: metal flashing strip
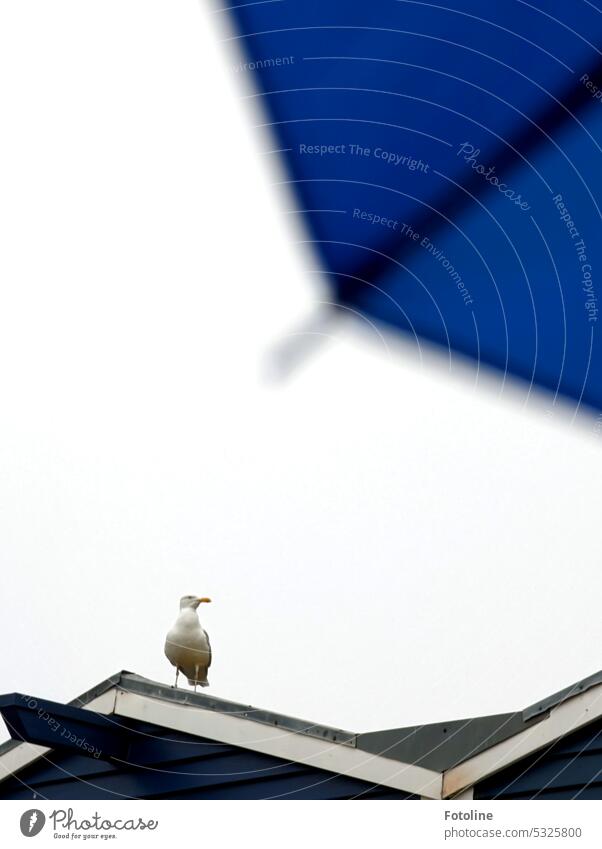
142 686
98 690
545 705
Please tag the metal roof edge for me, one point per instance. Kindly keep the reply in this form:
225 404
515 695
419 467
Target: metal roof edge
132 683
545 705
98 689
8 745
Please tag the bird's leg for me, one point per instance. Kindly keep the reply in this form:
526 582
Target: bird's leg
196 677
177 673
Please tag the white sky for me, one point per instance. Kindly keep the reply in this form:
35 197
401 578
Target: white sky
384 545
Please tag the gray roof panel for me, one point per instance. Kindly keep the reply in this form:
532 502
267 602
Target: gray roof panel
443 744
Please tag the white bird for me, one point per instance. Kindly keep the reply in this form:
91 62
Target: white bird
187 645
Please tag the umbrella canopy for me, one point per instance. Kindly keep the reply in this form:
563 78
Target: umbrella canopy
447 161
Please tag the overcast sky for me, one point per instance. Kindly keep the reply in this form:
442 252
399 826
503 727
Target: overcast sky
385 544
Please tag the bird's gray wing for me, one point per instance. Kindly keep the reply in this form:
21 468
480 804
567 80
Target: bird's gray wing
209 644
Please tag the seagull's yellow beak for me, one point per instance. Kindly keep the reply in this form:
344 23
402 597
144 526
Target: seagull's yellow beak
204 599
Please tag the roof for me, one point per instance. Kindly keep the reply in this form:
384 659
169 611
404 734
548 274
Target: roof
131 683
434 760
127 695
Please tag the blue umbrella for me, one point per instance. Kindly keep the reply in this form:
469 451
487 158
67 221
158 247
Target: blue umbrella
447 159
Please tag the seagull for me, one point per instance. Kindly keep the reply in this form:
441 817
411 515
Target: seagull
187 645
